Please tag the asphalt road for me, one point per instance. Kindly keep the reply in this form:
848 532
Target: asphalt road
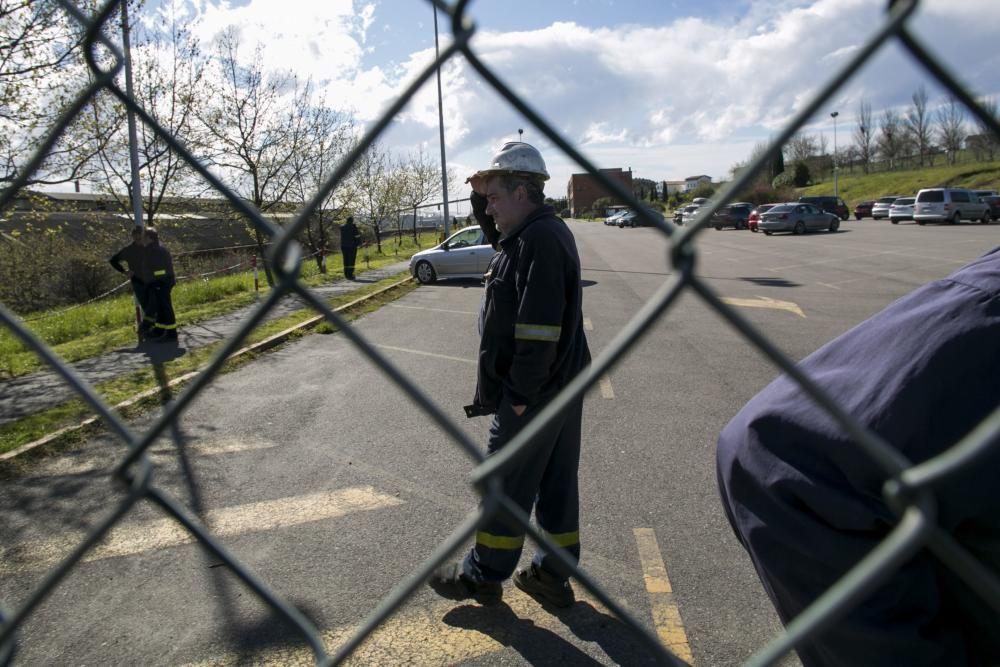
329 483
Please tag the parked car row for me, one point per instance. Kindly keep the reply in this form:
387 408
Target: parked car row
939 204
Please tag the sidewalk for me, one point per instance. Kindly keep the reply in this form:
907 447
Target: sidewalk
28 394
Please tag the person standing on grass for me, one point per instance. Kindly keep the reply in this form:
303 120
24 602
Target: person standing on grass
350 239
133 255
159 274
532 345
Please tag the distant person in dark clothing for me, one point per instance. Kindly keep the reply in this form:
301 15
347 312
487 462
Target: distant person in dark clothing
350 239
806 501
159 273
133 255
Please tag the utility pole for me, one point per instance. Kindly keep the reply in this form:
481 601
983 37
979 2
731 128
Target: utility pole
444 166
133 139
834 116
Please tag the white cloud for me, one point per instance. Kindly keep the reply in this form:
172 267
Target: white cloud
692 96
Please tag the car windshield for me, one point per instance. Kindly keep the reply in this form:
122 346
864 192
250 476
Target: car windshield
782 208
905 201
887 200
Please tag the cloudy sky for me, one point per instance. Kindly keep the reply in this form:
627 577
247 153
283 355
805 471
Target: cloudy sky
668 88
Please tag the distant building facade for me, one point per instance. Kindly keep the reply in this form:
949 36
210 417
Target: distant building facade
692 182
670 186
583 189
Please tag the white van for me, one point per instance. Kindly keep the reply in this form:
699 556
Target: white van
949 205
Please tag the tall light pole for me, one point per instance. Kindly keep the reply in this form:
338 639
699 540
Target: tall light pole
444 166
520 132
133 141
834 116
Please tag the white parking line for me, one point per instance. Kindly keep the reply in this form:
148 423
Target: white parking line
587 324
435 310
426 354
129 539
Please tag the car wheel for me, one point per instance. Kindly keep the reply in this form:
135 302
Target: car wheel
767 233
857 217
920 222
834 225
955 219
800 228
425 273
754 230
718 228
895 222
986 218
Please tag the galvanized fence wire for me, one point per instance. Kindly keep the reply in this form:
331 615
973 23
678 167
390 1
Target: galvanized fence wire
909 489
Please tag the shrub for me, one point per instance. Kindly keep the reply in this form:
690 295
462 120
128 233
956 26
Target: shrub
802 175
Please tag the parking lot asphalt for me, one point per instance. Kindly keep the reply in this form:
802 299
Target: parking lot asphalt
329 483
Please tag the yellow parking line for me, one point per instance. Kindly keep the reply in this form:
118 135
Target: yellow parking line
129 539
666 615
420 635
607 391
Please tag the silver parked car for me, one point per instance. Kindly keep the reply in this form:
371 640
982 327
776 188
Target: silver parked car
464 254
880 209
797 218
901 209
949 205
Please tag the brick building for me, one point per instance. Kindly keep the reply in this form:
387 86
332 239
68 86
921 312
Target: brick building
583 189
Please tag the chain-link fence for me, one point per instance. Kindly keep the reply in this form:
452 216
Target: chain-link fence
909 489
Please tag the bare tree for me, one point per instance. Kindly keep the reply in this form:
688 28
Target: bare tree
918 126
41 68
864 136
257 122
800 147
985 144
890 139
378 189
169 71
951 128
421 180
332 138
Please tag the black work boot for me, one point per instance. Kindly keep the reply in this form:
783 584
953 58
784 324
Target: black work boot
449 581
545 587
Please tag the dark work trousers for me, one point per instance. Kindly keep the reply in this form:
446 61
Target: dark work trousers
162 309
141 294
546 479
350 255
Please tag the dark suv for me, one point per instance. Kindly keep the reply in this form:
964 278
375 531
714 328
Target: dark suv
733 215
833 205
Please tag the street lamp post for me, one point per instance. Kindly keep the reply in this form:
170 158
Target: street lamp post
834 116
520 133
444 167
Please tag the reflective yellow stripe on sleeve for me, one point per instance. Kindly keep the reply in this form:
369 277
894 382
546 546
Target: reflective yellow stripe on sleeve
161 272
499 541
542 332
565 539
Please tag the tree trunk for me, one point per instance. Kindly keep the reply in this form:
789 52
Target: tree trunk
262 251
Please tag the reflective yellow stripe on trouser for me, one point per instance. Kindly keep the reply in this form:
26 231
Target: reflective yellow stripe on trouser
564 539
499 541
543 332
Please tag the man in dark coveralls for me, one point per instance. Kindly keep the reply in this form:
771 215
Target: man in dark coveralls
807 503
350 238
532 344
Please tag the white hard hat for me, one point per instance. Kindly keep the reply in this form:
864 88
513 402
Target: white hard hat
515 157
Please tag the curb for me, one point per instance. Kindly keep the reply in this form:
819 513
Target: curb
266 344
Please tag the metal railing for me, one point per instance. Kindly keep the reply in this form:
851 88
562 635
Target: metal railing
908 488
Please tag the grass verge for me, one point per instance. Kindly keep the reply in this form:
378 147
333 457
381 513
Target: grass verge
39 425
862 187
92 329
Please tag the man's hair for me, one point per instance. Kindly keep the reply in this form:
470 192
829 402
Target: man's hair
533 185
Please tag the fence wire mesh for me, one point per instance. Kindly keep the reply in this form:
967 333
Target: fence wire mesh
909 489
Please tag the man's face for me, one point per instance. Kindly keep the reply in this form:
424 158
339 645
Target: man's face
509 209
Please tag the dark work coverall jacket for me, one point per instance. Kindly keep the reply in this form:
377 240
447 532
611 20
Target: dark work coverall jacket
806 502
133 255
532 344
158 269
349 238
